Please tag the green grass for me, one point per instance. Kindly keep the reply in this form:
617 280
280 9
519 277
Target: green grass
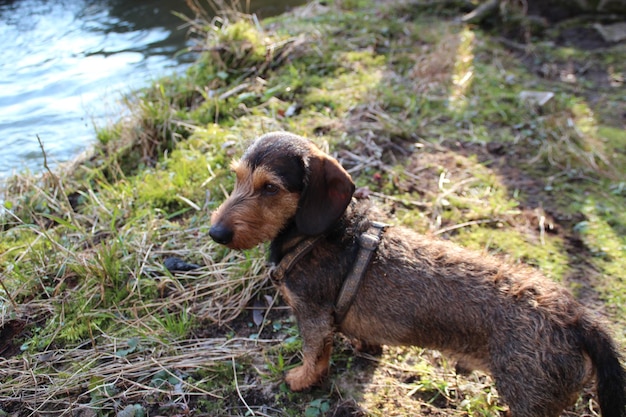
424 112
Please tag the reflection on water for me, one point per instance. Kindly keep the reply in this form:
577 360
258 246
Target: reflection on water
65 63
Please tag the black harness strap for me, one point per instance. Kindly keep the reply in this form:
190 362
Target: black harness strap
368 243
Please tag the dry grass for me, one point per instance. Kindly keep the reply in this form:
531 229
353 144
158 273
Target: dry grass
110 323
149 360
250 47
217 293
61 382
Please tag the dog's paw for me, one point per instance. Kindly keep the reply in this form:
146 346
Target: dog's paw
300 379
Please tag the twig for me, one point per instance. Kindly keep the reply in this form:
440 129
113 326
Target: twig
252 413
542 229
400 200
267 312
56 180
233 91
482 11
45 157
182 381
188 202
461 225
6 290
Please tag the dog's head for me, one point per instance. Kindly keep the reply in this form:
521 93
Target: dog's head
281 179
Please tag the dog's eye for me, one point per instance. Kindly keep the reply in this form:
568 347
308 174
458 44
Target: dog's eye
270 189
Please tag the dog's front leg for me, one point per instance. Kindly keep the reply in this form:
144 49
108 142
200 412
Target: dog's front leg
317 345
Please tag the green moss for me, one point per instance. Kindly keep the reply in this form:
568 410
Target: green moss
603 232
354 4
614 140
107 134
175 184
243 36
615 137
484 197
347 86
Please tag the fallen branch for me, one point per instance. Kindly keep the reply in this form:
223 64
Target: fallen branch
481 12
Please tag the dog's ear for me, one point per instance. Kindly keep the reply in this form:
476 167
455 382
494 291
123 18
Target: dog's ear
325 197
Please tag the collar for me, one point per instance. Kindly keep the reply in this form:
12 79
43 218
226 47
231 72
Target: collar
278 272
296 251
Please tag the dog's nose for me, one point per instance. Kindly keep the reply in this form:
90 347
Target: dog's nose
221 234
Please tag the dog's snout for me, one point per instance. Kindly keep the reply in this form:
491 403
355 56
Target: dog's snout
221 234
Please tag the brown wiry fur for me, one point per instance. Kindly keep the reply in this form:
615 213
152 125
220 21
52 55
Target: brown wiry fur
539 343
255 220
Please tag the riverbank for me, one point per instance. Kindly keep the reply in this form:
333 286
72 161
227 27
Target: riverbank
65 66
434 121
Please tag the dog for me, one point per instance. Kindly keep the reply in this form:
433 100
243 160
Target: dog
340 270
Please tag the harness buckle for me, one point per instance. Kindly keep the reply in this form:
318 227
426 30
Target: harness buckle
369 241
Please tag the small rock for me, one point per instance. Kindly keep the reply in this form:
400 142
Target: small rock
539 98
496 148
615 32
176 264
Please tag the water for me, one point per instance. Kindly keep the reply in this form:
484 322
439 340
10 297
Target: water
66 63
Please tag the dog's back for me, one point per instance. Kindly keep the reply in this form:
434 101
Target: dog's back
508 320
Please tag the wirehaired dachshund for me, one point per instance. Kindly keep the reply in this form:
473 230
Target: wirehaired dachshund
340 270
